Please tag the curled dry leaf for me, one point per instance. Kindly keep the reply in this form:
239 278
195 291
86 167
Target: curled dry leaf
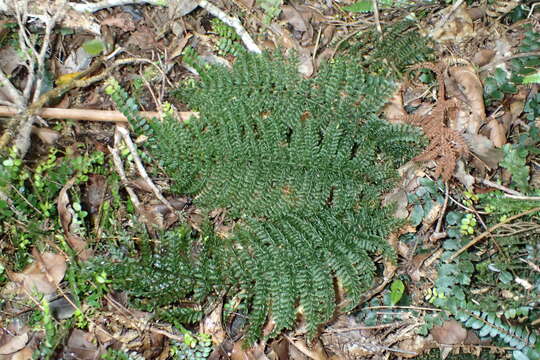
413 347
394 110
23 354
463 176
305 62
299 18
179 8
95 192
449 333
121 20
80 345
501 7
43 275
240 352
484 149
483 57
46 135
66 216
459 28
211 325
497 132
10 344
470 86
10 59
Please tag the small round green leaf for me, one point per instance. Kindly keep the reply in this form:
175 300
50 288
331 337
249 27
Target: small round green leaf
94 47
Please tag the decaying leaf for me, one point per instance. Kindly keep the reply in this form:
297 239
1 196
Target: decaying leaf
501 7
121 20
483 57
446 145
458 27
81 345
449 333
43 275
211 325
394 110
95 192
66 216
484 149
46 135
239 352
10 344
471 87
497 132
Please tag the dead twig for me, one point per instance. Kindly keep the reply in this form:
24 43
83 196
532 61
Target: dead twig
120 169
232 22
376 16
489 231
500 187
124 133
89 114
437 234
93 7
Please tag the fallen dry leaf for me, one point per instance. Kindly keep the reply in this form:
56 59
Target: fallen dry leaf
458 28
95 192
10 60
463 176
10 344
483 57
497 132
449 333
66 216
179 8
121 20
80 345
43 275
211 325
414 346
484 149
46 135
239 352
470 86
501 7
394 110
24 354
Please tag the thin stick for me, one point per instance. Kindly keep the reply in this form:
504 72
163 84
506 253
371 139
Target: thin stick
15 96
376 15
489 231
124 133
522 197
93 7
374 327
445 19
437 235
88 114
232 22
120 169
500 187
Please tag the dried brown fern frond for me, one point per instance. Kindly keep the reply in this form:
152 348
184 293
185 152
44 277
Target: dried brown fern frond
446 145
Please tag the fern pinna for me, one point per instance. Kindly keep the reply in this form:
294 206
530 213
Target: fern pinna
301 165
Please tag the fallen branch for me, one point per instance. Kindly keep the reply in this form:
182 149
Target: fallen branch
93 7
489 231
232 22
124 133
88 114
115 153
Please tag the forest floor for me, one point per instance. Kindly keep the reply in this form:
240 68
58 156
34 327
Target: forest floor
73 186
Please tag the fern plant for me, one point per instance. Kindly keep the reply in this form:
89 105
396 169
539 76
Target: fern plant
391 52
300 164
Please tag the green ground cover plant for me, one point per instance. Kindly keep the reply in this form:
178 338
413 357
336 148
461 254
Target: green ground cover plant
299 165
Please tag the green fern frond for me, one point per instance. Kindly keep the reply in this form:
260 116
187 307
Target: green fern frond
301 165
